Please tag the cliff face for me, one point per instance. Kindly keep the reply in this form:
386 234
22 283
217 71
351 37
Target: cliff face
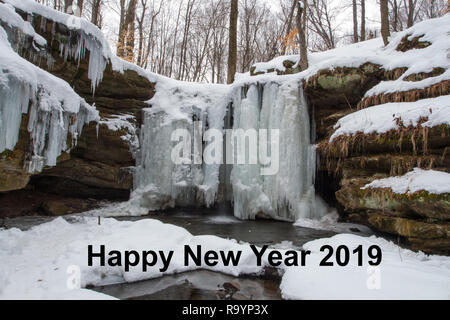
419 220
382 113
99 165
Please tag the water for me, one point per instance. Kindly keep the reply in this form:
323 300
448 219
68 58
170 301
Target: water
197 285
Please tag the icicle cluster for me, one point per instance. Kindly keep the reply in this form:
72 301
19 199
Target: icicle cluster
53 127
160 183
77 51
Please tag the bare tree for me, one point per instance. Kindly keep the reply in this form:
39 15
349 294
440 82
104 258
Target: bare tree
232 42
125 45
321 23
355 21
384 11
67 4
301 27
363 20
95 15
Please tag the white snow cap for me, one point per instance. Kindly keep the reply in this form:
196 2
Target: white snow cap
435 182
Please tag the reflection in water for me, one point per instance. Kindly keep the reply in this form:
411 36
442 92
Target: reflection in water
196 285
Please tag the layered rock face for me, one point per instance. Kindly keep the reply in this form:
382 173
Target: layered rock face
98 167
419 220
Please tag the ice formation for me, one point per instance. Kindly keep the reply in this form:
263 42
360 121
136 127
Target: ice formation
56 114
159 183
289 194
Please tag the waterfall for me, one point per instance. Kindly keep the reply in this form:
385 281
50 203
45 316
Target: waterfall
159 183
289 194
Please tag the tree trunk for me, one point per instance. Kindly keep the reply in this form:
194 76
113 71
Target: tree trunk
301 27
125 45
289 26
232 50
384 10
67 4
355 22
95 12
410 21
363 20
80 4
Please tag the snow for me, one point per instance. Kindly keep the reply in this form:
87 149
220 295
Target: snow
55 110
393 116
435 182
402 274
37 261
329 222
12 19
159 182
436 31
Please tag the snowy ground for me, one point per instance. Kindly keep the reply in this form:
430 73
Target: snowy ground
36 263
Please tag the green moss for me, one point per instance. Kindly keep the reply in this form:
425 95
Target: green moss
6 154
337 82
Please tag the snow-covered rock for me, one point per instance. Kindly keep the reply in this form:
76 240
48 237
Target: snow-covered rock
434 182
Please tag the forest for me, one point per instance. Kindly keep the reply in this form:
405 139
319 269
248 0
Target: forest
190 40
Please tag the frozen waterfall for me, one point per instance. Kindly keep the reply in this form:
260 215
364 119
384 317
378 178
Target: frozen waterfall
159 182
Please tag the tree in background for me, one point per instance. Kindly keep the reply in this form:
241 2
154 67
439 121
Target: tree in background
384 10
125 43
189 39
232 42
363 20
355 22
301 27
95 16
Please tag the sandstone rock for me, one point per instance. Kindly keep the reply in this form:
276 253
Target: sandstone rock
410 228
65 206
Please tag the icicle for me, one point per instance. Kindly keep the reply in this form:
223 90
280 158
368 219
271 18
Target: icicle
289 194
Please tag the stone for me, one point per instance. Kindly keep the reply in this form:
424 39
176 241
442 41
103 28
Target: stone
410 228
231 286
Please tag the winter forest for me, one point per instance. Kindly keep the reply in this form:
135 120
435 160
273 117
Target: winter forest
189 39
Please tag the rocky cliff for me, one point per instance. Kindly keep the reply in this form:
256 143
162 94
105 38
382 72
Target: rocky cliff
98 167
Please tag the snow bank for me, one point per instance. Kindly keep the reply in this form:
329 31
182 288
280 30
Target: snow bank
12 19
402 274
386 117
435 182
36 263
54 110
